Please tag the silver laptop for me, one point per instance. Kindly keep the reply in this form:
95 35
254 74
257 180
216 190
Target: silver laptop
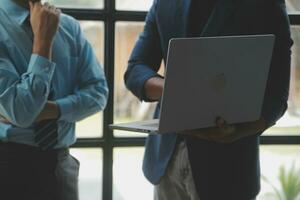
211 77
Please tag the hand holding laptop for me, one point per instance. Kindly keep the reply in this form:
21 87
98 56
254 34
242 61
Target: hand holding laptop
222 133
192 96
225 133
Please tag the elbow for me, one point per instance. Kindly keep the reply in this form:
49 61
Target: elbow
98 104
273 113
132 83
131 76
283 110
102 102
126 79
102 98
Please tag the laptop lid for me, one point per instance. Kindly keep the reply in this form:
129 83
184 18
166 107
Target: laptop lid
214 76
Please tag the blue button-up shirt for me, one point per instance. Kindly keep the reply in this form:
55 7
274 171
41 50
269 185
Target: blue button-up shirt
75 76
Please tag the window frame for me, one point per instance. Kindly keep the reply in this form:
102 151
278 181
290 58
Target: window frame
109 15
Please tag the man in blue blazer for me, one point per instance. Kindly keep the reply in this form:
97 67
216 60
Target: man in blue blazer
219 163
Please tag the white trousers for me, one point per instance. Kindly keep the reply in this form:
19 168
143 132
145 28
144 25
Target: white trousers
178 183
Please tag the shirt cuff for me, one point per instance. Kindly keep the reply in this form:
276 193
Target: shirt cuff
42 67
65 107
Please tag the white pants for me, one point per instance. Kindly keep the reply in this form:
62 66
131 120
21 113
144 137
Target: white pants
178 183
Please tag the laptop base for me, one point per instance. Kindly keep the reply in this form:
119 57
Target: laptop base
147 126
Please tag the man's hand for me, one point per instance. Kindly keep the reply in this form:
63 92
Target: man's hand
50 111
44 21
224 133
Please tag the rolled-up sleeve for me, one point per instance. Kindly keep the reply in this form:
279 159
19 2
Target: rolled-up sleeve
22 97
41 67
146 57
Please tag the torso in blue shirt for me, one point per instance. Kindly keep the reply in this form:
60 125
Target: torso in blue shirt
75 76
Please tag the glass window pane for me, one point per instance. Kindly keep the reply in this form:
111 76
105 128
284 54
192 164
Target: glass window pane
135 5
293 5
90 174
98 4
289 124
94 32
90 127
129 181
274 159
127 107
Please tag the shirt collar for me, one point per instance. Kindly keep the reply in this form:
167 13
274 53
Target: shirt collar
15 12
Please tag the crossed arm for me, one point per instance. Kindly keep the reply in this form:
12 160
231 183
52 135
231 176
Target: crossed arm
24 98
222 132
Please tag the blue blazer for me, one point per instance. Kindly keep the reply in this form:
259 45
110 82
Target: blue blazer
221 171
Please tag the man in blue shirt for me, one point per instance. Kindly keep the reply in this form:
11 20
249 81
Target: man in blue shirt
219 163
49 80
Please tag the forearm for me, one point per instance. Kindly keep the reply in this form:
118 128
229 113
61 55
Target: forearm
42 48
50 112
23 98
251 128
145 61
83 103
154 88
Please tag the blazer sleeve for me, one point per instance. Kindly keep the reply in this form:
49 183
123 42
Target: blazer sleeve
277 92
146 57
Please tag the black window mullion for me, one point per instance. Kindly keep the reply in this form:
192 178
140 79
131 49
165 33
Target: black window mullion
280 140
86 14
107 186
130 16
